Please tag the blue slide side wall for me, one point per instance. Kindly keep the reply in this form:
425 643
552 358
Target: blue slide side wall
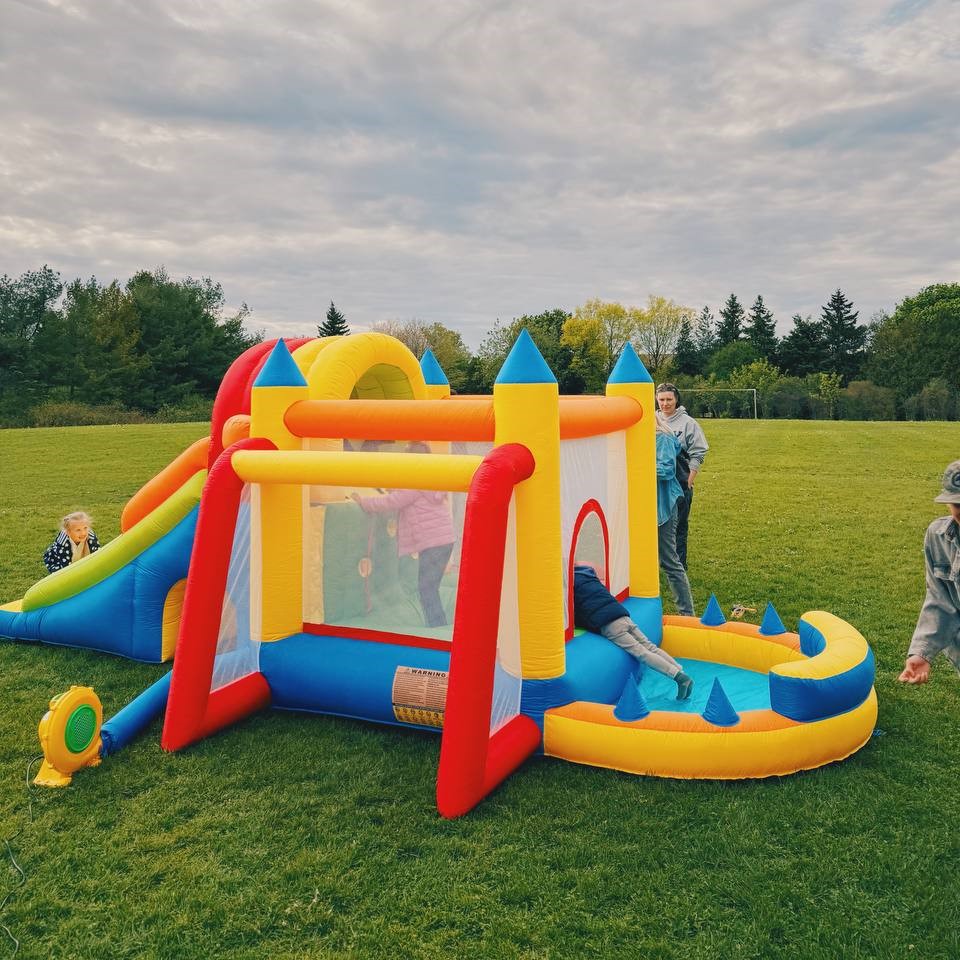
123 614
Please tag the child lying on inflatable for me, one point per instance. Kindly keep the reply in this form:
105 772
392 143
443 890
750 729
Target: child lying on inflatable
596 609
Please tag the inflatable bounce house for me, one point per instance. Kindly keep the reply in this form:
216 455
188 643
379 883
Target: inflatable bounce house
251 559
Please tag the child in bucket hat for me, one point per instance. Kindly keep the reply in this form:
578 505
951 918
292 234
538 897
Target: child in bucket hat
938 627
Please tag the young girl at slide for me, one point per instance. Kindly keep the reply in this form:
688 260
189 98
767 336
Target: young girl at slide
74 541
424 527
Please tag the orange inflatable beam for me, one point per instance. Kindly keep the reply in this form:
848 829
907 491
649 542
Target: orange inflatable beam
595 416
452 419
170 479
456 418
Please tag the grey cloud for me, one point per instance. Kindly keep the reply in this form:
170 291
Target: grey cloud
468 161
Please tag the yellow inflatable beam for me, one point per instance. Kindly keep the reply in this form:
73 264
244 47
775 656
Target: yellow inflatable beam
397 470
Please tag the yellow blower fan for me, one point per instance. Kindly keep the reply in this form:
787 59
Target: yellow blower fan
69 736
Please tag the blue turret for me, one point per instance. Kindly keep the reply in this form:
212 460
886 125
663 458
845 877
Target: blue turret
280 370
433 374
629 368
525 363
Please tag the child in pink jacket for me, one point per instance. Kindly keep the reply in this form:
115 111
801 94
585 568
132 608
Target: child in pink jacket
424 527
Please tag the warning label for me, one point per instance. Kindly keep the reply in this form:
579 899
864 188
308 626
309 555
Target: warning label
420 696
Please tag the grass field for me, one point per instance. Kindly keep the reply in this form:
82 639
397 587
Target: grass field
295 836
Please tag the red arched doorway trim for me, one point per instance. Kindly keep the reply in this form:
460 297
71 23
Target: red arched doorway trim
590 507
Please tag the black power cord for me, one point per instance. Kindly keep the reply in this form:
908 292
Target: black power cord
8 841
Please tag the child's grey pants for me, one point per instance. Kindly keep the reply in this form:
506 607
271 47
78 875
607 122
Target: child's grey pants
626 634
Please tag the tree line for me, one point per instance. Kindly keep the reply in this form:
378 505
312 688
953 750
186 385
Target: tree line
85 351
899 365
154 347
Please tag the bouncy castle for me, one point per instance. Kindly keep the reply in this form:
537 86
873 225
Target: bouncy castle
249 561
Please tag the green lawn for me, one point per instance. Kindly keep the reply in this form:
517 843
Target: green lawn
298 836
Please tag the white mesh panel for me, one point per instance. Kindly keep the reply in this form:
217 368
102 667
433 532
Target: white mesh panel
617 514
595 468
393 570
237 654
507 682
583 476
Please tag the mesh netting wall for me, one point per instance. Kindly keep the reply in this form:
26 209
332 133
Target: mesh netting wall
390 564
237 654
595 468
507 683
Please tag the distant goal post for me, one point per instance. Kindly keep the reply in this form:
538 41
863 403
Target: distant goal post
711 390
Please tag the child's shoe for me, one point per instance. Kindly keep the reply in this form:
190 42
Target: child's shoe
684 686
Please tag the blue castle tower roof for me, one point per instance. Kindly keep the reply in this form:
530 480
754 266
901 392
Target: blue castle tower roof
433 374
525 363
280 370
629 368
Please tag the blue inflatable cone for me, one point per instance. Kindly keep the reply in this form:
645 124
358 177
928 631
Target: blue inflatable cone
713 615
812 641
771 625
719 710
631 705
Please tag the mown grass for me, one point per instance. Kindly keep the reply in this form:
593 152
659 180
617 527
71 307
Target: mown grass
298 836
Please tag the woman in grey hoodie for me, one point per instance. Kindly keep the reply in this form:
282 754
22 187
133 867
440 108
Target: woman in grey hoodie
693 448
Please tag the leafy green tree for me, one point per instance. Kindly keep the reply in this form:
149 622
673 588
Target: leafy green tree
843 338
334 325
863 400
730 326
761 330
919 342
686 357
705 336
447 346
789 398
937 400
595 335
656 329
760 375
183 337
727 358
27 305
116 363
828 390
803 350
547 331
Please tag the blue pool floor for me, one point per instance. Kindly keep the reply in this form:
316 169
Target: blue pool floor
746 689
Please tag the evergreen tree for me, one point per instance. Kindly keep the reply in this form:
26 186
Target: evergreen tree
335 325
686 357
761 330
843 338
730 327
705 336
803 350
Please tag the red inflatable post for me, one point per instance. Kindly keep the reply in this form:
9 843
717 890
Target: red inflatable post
472 762
192 711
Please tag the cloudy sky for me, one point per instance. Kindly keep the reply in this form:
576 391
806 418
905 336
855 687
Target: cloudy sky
468 160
